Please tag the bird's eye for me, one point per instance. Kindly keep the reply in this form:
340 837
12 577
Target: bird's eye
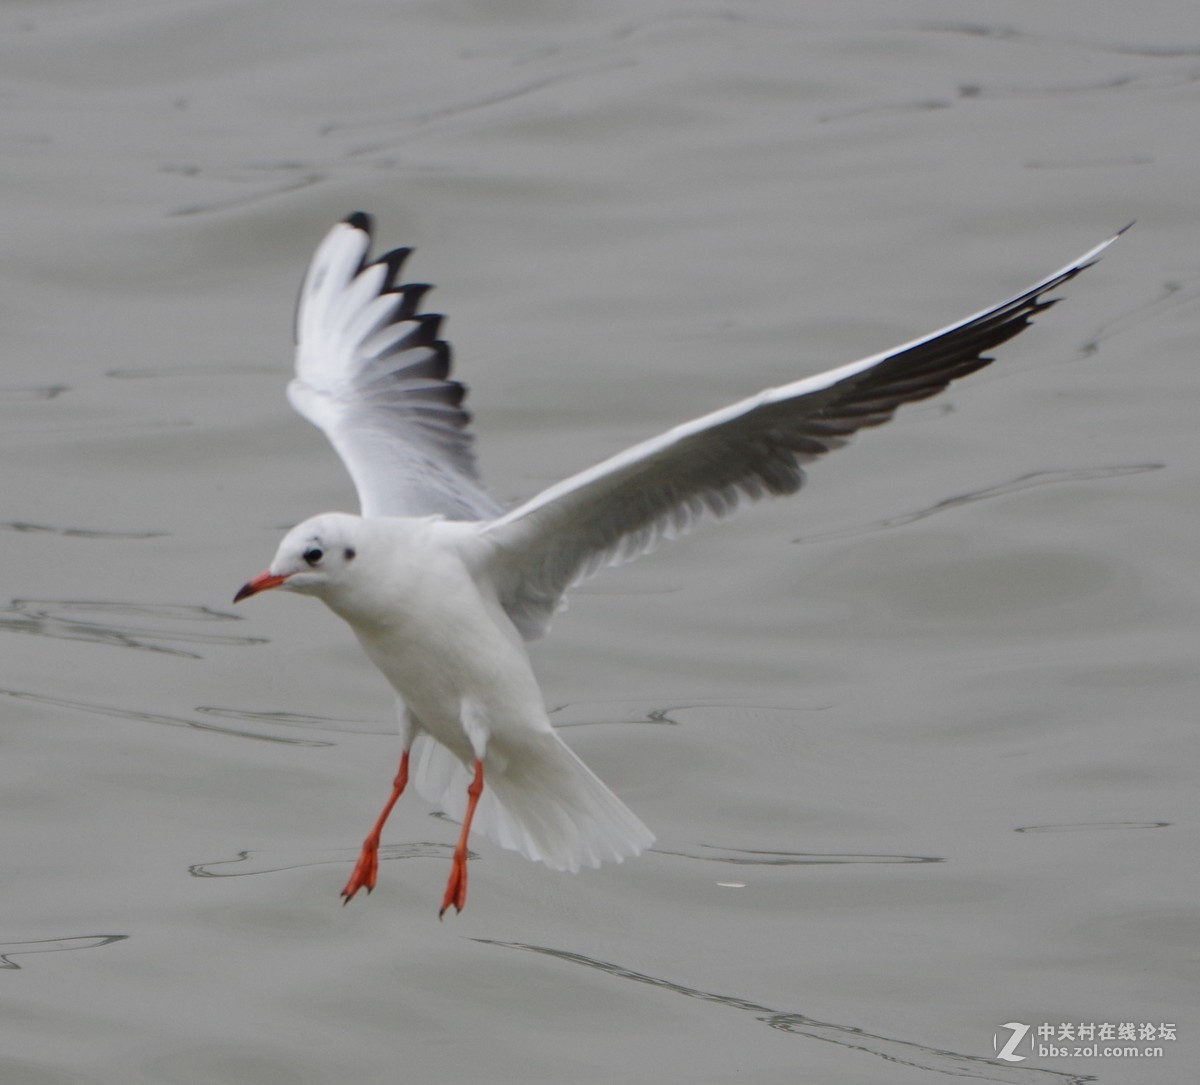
313 555
348 553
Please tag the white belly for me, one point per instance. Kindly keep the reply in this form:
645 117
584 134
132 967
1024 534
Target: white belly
452 655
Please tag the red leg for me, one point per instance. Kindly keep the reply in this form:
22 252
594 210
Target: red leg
368 859
456 887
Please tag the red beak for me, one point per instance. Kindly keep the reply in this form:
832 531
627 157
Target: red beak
259 583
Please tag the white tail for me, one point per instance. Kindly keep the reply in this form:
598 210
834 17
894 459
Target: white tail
544 803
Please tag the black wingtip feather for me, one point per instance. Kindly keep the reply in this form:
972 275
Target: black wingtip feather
425 333
360 220
411 295
394 262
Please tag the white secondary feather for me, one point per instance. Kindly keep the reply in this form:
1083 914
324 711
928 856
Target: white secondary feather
440 585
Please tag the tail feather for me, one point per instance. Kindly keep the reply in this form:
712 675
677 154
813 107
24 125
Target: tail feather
544 803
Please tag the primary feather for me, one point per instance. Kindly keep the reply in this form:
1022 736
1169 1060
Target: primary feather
373 374
621 508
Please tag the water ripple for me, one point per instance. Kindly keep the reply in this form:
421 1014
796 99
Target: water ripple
154 717
9 950
250 198
250 862
903 1052
298 720
1173 294
103 623
762 857
1002 489
24 394
1092 826
1011 34
162 372
586 714
25 527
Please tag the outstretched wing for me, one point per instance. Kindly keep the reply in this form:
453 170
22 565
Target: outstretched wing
623 507
372 373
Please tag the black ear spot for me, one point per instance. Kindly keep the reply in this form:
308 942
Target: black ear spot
348 553
313 555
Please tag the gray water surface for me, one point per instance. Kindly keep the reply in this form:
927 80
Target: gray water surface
918 745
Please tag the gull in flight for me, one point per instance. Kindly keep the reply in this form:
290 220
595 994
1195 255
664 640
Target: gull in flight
443 587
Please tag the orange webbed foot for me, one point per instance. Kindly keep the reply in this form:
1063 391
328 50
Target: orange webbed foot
365 871
456 886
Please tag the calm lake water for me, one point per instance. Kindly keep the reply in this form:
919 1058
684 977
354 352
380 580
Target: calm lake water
919 745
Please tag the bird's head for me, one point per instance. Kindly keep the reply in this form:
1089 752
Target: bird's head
315 558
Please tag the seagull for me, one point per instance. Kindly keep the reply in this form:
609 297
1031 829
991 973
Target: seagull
442 586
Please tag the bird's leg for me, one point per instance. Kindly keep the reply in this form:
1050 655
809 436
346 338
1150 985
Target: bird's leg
456 887
368 859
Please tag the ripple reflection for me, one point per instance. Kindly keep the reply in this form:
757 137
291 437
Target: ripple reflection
31 392
9 950
155 717
1003 489
586 713
25 527
299 720
903 1052
762 857
1092 826
250 862
119 623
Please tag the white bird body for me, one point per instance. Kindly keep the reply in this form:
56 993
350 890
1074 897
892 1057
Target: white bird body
442 587
429 617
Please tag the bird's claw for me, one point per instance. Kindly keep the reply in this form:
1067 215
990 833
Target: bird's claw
365 871
456 887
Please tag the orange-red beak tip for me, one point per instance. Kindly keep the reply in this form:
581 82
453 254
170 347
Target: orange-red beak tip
256 584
